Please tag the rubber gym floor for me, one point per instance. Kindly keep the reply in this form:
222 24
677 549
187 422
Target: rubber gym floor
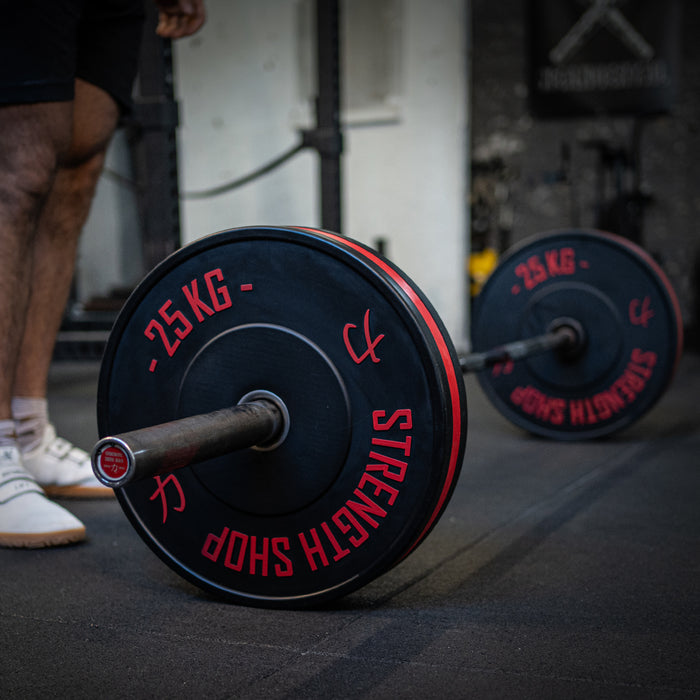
557 571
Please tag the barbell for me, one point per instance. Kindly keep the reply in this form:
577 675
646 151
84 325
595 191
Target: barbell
284 416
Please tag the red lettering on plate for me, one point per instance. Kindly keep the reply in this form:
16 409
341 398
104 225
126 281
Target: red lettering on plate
218 542
154 327
534 403
261 556
641 371
285 568
366 509
346 521
348 528
385 465
640 357
191 293
640 312
380 424
340 552
220 298
258 553
172 327
576 412
558 262
313 550
371 343
403 445
552 261
622 392
160 491
380 487
567 261
589 410
500 368
236 542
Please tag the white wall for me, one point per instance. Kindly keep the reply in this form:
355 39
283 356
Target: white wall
244 84
238 85
407 181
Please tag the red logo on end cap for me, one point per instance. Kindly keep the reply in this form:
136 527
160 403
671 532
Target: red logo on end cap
113 462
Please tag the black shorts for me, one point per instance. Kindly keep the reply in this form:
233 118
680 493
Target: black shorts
46 44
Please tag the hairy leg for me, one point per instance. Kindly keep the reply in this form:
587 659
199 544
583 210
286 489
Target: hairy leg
32 140
58 231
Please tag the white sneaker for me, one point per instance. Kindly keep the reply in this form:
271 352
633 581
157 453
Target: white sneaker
62 469
27 517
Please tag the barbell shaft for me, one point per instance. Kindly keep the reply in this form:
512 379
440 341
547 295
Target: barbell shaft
565 336
120 459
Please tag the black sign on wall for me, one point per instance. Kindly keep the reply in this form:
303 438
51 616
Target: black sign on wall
603 56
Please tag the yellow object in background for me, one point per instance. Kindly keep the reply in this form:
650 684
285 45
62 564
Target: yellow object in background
481 265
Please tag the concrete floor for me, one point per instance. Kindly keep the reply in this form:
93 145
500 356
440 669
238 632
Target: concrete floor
557 571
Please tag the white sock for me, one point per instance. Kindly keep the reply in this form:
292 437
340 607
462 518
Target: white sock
8 437
31 417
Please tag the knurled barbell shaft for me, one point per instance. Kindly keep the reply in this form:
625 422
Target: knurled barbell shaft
120 459
564 336
147 452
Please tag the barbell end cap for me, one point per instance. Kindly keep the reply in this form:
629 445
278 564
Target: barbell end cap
113 462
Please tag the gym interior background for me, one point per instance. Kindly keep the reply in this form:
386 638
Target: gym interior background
562 570
445 153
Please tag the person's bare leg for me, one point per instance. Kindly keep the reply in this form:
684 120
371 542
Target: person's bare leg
59 467
59 227
32 139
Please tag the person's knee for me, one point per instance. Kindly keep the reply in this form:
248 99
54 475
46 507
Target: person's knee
31 143
27 173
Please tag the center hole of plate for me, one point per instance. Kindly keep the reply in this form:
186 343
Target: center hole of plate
279 437
576 337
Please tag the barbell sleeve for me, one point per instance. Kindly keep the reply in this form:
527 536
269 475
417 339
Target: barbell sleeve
138 454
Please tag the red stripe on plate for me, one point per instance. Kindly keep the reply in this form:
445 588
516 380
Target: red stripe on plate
445 354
